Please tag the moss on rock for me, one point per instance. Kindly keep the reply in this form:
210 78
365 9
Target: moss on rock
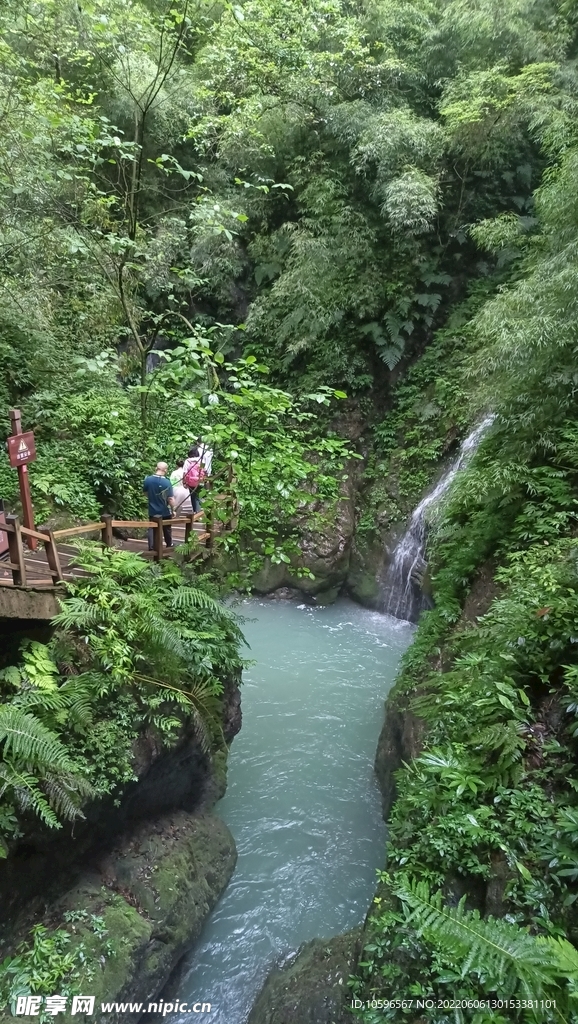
137 914
312 987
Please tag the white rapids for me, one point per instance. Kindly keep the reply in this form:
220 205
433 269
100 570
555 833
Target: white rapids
401 594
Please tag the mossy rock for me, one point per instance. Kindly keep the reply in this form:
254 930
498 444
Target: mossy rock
312 987
364 588
327 597
151 896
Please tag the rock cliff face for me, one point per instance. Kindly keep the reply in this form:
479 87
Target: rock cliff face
182 778
400 740
152 894
344 554
151 869
325 551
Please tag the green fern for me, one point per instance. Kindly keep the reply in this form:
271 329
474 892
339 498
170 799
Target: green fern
25 738
201 705
506 959
37 769
23 786
66 792
193 597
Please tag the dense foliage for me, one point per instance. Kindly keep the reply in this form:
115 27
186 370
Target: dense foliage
307 172
138 650
369 197
487 812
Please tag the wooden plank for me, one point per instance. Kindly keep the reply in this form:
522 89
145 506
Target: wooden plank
106 538
134 524
52 557
34 533
36 564
73 530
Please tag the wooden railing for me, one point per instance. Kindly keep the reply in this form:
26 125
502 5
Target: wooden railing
16 560
17 535
50 539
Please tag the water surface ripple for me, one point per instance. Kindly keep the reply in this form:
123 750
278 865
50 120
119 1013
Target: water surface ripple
302 801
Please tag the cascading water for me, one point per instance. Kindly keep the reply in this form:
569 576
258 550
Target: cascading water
401 594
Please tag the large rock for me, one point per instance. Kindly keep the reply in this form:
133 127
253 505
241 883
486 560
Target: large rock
400 740
312 987
44 862
325 551
137 878
152 894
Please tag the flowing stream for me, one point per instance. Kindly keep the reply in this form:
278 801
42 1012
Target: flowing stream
400 590
302 801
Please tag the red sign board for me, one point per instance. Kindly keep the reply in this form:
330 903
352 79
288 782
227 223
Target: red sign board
3 536
21 449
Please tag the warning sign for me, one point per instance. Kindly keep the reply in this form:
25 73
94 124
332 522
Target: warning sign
21 448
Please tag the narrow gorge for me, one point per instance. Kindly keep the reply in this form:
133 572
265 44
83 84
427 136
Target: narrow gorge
288 320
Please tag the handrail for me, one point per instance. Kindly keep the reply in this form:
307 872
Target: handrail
34 533
72 530
22 564
16 550
143 524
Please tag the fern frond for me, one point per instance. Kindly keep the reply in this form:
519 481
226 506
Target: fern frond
192 597
565 956
505 957
65 794
40 700
77 613
165 635
26 738
28 796
201 703
507 738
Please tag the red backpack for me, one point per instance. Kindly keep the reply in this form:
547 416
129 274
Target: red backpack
195 474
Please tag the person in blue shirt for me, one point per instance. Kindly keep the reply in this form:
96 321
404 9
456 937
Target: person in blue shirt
159 492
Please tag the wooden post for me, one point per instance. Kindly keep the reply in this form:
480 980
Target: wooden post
106 532
159 537
16 552
210 526
188 529
209 514
24 483
53 558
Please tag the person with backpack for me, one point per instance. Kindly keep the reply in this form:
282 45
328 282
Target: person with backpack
206 454
181 494
193 475
159 492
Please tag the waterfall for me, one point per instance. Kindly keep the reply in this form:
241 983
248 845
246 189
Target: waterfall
401 595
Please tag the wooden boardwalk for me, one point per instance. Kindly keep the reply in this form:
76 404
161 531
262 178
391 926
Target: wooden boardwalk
53 560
